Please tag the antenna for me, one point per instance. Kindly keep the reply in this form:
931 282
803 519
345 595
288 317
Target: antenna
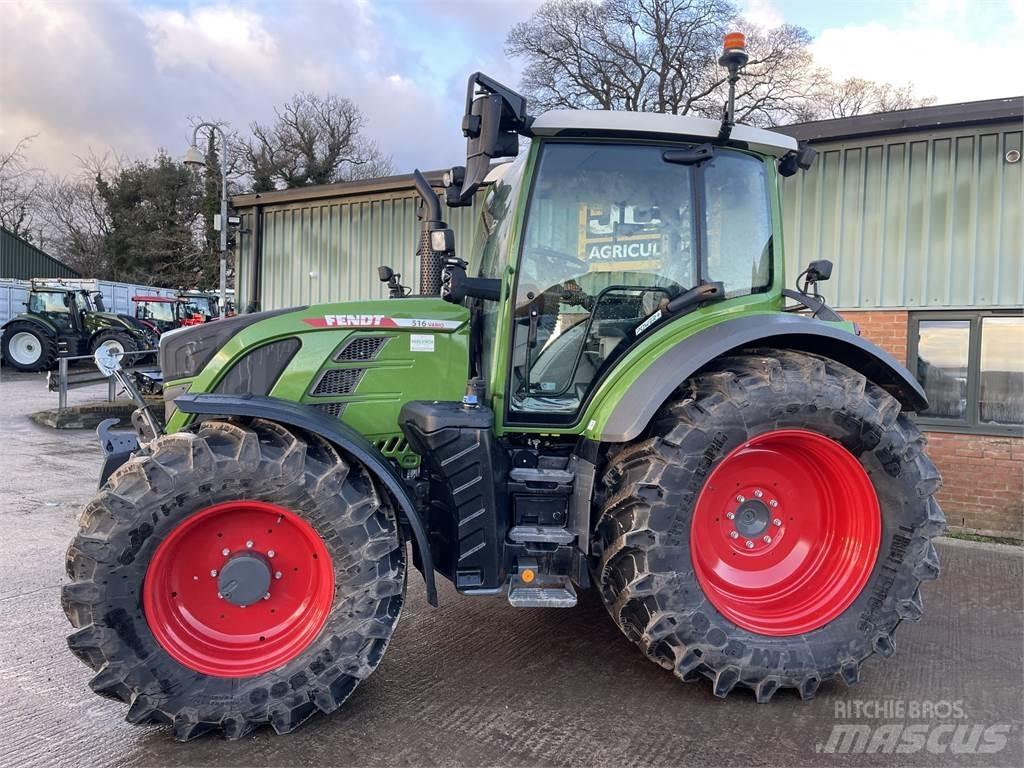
734 56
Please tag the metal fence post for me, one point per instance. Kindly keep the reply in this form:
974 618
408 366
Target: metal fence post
62 383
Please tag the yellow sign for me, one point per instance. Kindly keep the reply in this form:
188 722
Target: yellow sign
620 238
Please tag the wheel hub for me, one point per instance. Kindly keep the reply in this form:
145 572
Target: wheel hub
785 532
752 518
238 588
245 578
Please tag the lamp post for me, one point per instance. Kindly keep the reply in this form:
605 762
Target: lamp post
196 158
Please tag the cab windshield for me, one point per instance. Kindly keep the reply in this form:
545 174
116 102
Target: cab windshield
162 311
612 232
49 302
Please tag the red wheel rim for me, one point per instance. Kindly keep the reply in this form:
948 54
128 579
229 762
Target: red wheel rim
785 532
230 548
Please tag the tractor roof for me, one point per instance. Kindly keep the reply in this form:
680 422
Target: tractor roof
167 299
566 122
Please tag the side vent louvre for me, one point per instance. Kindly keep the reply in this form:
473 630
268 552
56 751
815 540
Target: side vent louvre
338 381
332 409
361 348
392 445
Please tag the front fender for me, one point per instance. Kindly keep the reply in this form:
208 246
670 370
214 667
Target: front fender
637 404
344 437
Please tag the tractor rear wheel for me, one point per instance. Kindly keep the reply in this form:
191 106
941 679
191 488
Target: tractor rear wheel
236 576
772 528
26 347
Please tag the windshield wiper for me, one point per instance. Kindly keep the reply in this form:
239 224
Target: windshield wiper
690 156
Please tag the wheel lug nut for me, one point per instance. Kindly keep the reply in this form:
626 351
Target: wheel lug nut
225 551
266 596
730 516
773 503
213 572
759 493
271 553
767 539
776 522
277 574
733 535
248 544
748 544
219 595
741 499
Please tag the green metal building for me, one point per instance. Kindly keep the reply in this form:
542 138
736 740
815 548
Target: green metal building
21 260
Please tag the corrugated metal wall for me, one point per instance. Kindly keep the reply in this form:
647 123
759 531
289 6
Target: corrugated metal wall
329 250
910 220
22 261
913 220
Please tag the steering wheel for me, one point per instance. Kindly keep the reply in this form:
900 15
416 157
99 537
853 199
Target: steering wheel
556 259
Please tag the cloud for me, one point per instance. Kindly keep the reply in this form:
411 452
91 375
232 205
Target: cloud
127 77
936 46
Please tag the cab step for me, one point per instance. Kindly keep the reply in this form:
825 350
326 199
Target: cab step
545 534
552 592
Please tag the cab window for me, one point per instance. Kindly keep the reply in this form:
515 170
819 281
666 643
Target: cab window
612 232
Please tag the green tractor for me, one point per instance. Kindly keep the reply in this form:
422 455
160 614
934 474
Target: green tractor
618 400
61 321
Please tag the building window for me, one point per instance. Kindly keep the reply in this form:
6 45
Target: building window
971 366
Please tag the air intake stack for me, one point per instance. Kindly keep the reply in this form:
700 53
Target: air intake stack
431 257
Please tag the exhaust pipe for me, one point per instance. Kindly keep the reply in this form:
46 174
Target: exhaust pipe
430 260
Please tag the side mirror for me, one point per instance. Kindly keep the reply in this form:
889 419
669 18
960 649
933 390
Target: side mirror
819 271
492 123
98 298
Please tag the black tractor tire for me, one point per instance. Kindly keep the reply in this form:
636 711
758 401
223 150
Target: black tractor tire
128 342
643 562
179 476
44 343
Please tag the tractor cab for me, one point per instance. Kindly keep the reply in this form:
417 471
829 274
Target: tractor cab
164 313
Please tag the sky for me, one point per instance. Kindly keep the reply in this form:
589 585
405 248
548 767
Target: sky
125 76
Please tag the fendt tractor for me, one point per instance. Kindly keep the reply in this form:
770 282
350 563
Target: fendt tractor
617 399
61 321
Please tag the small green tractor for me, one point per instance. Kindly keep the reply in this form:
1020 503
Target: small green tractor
618 399
61 321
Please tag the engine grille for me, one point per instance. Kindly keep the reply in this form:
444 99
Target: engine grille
332 409
362 348
338 381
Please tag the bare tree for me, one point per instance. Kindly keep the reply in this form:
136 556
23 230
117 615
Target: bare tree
661 56
74 215
20 184
314 140
856 96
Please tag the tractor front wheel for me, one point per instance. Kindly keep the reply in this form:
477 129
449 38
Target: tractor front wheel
232 577
117 342
772 528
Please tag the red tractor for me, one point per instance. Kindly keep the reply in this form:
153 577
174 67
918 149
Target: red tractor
162 313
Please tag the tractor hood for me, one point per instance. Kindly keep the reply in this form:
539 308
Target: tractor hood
357 361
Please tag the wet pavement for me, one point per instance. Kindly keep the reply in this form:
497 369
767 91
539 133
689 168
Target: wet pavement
476 682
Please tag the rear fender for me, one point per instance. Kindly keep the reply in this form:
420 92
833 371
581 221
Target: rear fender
342 436
641 399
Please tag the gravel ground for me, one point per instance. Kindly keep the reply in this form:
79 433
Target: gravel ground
476 682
